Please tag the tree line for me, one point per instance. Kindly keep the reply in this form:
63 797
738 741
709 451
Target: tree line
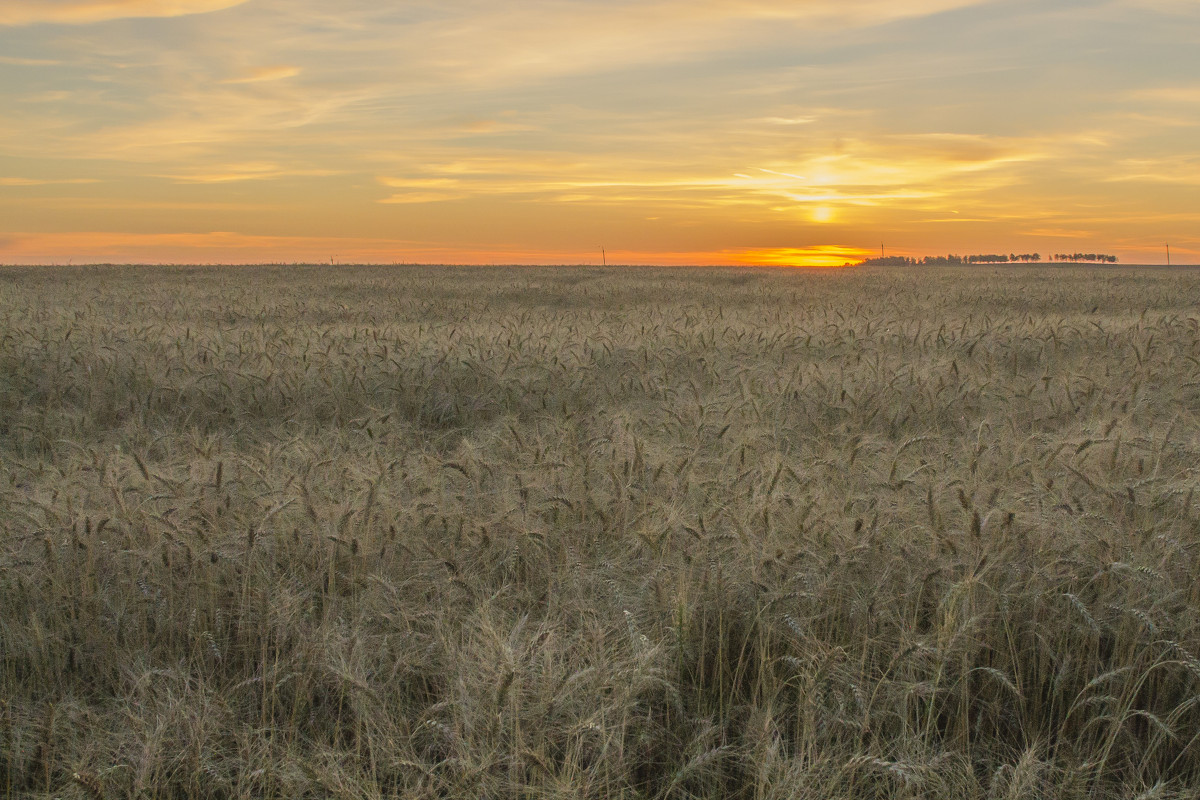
987 258
1098 258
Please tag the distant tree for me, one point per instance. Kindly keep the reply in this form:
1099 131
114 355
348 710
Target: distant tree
986 258
889 261
941 261
1088 258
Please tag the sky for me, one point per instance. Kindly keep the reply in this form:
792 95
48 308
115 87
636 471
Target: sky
780 132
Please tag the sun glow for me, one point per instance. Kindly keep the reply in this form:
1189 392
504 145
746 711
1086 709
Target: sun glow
823 256
822 214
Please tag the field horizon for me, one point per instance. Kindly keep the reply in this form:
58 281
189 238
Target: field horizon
761 533
532 266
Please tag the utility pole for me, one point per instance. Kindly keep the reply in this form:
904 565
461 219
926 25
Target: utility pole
603 256
1168 254
881 255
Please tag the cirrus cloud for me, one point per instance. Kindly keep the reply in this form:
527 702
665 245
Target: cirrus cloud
75 12
264 74
44 181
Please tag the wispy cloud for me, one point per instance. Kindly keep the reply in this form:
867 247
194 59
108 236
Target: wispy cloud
45 181
235 173
29 62
1180 170
861 172
1061 233
413 198
1169 94
261 74
28 12
419 183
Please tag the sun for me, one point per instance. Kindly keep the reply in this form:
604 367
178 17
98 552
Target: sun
822 214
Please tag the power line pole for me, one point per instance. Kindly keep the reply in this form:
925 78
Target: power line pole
1168 254
603 256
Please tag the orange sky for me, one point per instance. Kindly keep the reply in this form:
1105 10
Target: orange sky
539 131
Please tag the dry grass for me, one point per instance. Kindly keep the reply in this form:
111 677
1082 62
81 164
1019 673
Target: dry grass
287 533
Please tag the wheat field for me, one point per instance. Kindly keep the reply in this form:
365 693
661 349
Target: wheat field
306 532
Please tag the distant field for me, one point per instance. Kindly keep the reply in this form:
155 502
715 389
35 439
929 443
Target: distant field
586 533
